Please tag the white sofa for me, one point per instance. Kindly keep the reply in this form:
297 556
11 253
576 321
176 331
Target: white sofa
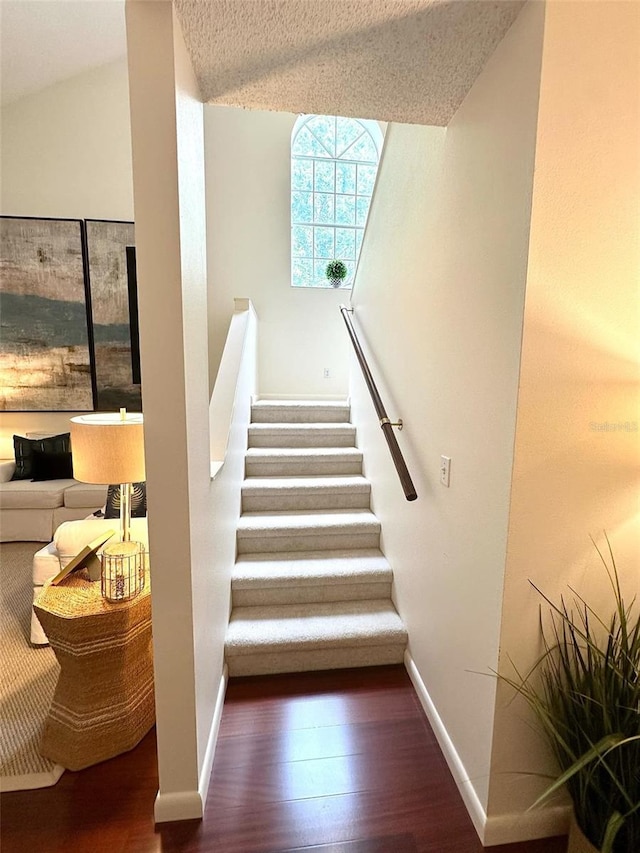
31 512
69 539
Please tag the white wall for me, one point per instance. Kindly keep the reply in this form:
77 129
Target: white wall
66 152
573 476
192 532
247 158
439 303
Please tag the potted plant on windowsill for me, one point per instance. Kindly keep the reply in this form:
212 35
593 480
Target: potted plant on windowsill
336 272
585 693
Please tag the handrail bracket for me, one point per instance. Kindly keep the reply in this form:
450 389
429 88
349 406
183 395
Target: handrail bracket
399 423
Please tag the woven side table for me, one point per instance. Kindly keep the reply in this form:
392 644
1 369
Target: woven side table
104 702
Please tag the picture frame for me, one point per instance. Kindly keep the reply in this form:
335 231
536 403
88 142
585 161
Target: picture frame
46 346
87 558
113 305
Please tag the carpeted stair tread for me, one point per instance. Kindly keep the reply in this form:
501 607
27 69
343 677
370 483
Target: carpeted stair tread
302 435
304 531
280 523
299 411
309 427
299 485
335 625
310 568
276 453
303 461
262 494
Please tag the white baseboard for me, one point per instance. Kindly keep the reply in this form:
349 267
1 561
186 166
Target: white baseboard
207 764
179 805
457 768
189 805
498 829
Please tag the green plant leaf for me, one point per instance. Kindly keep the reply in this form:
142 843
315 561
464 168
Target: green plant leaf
584 692
614 824
597 752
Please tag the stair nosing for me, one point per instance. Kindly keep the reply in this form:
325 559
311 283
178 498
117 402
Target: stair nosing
316 554
271 570
324 485
306 426
319 520
343 404
329 635
303 451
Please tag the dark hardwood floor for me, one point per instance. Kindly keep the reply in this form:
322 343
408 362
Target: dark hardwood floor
331 762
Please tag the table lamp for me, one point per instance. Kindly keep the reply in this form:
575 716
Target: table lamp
109 448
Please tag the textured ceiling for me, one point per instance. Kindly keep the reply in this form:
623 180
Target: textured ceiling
397 60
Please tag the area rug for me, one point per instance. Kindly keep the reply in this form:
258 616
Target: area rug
28 677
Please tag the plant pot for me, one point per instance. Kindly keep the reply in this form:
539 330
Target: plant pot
578 842
335 282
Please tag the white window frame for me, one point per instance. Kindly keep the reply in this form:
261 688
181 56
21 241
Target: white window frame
372 129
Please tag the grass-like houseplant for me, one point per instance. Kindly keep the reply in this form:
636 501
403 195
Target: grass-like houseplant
336 272
585 693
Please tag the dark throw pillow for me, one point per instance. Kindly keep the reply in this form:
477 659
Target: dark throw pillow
138 501
51 466
24 448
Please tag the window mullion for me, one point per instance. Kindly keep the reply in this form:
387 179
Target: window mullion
313 216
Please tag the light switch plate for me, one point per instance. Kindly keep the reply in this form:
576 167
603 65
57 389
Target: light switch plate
445 470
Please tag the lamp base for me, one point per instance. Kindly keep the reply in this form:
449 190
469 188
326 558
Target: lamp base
123 567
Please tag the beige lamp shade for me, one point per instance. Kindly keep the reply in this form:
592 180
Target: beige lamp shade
108 448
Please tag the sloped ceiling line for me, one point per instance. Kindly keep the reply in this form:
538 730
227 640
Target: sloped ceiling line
395 60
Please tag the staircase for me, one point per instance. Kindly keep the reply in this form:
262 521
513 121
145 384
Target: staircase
310 588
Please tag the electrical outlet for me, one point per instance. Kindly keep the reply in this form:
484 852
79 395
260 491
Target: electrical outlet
445 470
327 373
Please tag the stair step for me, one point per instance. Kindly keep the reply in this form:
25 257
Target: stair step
295 638
302 461
310 576
310 587
263 494
300 411
307 531
302 435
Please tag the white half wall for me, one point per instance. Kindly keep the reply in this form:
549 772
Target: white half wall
577 451
66 152
192 519
439 306
247 159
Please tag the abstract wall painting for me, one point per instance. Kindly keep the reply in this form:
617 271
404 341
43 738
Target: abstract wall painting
45 360
114 314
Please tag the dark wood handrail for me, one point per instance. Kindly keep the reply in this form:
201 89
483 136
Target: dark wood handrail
385 424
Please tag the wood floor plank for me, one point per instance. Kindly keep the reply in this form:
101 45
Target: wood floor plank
317 683
338 762
319 742
369 845
406 768
281 825
272 716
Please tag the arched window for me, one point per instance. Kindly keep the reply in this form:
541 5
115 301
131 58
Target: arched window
334 161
